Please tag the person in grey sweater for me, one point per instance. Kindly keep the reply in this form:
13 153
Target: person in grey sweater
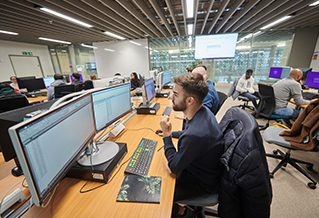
286 89
58 80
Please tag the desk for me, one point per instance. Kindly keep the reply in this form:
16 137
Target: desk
68 202
37 99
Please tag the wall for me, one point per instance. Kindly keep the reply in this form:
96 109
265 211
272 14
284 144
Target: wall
303 47
125 58
16 48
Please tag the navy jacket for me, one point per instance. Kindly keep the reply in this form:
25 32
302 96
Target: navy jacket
211 100
245 189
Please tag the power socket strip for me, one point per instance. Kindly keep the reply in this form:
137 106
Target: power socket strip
11 199
116 130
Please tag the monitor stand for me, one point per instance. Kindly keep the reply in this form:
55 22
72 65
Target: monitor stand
101 154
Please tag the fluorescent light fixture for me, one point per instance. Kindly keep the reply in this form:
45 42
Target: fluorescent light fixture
242 47
174 56
281 45
135 43
7 32
155 50
173 51
276 22
88 46
314 4
54 40
66 17
189 8
107 49
249 36
183 56
146 47
190 29
114 35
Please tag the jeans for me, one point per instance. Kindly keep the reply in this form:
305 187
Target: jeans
287 111
253 97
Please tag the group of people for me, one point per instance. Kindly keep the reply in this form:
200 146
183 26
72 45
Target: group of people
200 144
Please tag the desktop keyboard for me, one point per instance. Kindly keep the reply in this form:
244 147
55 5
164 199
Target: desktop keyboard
142 158
309 95
167 111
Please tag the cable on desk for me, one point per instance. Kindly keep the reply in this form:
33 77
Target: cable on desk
25 186
45 205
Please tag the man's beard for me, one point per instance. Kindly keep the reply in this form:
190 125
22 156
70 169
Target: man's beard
181 106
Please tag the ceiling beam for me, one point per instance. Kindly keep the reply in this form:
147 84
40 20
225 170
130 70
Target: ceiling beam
161 15
230 13
218 14
207 15
195 16
184 17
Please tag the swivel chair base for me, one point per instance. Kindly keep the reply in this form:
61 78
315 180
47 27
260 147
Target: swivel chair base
285 159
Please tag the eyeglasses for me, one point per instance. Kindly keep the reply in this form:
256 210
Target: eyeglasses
13 79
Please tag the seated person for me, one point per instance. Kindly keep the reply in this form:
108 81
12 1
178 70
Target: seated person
14 83
92 77
286 89
189 70
78 84
245 87
117 79
135 82
10 100
58 80
196 162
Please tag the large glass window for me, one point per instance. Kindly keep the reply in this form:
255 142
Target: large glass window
255 50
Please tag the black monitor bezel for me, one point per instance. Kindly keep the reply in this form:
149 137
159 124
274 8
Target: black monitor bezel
30 87
20 81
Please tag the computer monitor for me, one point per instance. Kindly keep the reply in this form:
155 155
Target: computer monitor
34 84
159 81
275 72
46 151
62 90
21 80
48 81
285 72
166 77
72 80
305 72
67 77
142 79
312 80
148 91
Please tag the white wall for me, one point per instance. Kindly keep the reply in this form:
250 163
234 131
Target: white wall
315 63
16 48
126 58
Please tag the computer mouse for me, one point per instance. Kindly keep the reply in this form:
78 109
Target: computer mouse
159 131
17 171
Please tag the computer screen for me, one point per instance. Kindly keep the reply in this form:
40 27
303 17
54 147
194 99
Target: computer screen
110 104
149 89
275 72
285 72
72 80
34 84
46 151
166 77
21 80
312 80
48 81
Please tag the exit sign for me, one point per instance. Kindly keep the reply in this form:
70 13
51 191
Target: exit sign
27 53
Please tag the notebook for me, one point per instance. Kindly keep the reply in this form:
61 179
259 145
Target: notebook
135 188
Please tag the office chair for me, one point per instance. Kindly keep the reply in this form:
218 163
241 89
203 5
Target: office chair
88 84
11 102
267 105
62 90
235 94
271 135
222 98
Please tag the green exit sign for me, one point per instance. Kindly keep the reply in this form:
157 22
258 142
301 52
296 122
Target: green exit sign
27 53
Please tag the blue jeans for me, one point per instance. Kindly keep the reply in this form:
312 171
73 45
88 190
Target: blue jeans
253 97
287 111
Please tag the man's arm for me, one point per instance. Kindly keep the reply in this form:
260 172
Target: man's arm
296 94
240 86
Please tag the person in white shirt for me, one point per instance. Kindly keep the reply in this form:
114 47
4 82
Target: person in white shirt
14 83
245 87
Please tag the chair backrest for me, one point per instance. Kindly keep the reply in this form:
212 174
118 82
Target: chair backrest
88 84
12 101
222 97
62 90
233 87
267 103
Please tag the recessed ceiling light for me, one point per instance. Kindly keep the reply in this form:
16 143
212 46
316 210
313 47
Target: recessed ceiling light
54 40
7 32
114 35
276 22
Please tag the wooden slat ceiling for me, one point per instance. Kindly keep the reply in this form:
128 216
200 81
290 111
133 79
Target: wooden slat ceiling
137 19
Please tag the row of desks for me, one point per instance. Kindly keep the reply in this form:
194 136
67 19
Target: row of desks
69 202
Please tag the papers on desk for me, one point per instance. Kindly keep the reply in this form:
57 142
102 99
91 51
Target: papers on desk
136 188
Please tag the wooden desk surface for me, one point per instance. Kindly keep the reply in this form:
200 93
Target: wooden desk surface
69 202
37 99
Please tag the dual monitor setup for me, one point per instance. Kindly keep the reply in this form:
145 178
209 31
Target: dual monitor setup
46 152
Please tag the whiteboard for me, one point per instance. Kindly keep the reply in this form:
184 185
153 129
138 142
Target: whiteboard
26 66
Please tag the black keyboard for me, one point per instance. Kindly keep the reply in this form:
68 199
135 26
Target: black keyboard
308 95
167 111
142 158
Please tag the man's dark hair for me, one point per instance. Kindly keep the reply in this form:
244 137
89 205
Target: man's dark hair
193 84
76 75
189 69
202 65
250 71
12 77
57 76
117 74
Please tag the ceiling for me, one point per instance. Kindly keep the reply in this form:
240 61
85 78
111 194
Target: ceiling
137 19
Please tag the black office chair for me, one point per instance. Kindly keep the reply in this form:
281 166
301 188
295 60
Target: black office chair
12 101
62 90
267 105
271 135
222 98
88 84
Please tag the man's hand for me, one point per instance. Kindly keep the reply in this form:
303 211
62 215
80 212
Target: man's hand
159 132
166 126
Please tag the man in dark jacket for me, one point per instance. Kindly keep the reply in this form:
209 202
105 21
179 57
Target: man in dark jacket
200 145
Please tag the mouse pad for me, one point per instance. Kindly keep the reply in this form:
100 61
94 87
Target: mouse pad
137 188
